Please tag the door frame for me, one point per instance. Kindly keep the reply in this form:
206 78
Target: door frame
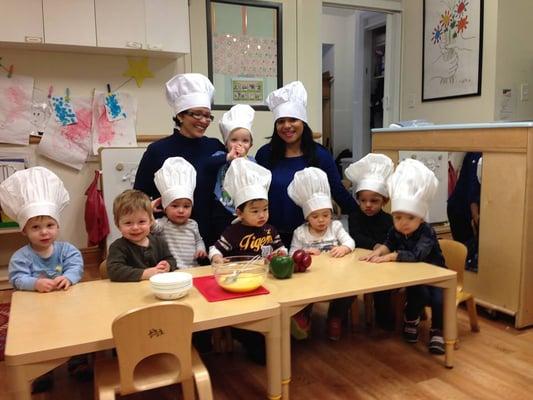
393 61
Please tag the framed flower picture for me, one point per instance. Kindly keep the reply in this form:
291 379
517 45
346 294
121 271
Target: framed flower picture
452 49
244 51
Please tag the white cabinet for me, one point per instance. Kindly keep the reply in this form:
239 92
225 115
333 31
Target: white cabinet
21 21
120 24
157 25
167 25
69 22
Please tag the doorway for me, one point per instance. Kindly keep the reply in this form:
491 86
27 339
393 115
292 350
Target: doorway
361 55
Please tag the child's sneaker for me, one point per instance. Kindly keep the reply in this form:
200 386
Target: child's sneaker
301 325
410 330
436 342
334 329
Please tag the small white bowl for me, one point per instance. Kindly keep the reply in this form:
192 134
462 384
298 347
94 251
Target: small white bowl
175 278
171 295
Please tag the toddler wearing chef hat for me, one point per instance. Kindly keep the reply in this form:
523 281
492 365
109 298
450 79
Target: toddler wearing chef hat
176 181
35 197
412 187
236 130
369 224
247 183
310 190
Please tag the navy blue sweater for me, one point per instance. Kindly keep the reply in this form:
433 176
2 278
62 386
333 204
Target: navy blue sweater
369 231
422 245
196 151
467 189
285 215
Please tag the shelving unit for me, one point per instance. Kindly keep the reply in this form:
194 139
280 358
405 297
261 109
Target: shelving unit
378 77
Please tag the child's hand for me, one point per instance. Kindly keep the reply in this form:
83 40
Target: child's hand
163 266
45 285
339 251
149 272
313 251
156 205
376 246
200 254
62 282
370 256
280 252
217 259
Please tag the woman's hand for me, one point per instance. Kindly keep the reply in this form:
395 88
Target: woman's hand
156 205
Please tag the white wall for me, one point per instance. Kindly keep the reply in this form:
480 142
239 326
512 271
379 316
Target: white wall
338 29
467 109
514 64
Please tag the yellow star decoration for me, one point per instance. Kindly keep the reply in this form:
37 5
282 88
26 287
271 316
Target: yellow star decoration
138 70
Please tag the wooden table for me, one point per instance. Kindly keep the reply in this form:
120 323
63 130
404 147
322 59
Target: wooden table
45 330
330 278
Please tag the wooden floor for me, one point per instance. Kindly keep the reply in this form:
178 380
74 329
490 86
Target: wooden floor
496 363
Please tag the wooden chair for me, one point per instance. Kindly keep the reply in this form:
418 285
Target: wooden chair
154 349
103 269
455 256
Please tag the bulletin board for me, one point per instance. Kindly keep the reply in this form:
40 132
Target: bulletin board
119 167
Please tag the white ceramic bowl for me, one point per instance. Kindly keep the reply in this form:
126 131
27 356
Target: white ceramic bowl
171 285
240 273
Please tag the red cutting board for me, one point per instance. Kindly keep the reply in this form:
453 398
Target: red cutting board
212 292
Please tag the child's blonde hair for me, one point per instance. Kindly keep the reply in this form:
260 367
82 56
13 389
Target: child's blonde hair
129 201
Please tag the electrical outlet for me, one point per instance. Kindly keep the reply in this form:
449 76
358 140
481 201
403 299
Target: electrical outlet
411 100
524 92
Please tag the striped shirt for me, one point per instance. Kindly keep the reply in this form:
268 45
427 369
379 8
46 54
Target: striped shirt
183 240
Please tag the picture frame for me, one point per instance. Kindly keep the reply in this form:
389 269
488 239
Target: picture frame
244 49
452 46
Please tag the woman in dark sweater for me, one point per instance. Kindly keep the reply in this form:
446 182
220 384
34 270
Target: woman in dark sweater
292 149
190 96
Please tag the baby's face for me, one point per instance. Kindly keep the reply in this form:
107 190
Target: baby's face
42 231
406 223
370 202
179 211
241 139
319 220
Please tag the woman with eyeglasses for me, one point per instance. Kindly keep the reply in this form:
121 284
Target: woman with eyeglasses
190 97
292 149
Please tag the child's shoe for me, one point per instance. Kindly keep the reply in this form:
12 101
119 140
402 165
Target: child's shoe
334 329
410 330
301 325
436 342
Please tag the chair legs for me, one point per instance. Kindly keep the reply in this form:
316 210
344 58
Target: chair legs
369 312
472 314
201 378
187 388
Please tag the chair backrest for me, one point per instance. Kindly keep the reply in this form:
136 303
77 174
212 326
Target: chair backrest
156 330
455 257
102 269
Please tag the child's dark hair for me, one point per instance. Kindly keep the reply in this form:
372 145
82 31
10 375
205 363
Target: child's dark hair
307 145
243 205
129 201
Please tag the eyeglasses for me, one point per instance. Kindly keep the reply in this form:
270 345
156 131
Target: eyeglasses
199 116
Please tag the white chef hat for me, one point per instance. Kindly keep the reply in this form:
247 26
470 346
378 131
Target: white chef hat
185 91
412 187
289 101
176 179
371 173
239 116
33 192
246 180
310 190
